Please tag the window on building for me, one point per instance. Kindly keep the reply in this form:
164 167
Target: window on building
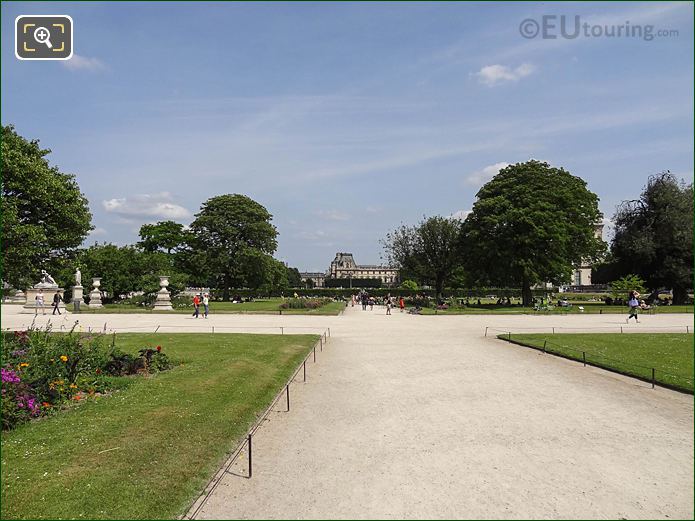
578 278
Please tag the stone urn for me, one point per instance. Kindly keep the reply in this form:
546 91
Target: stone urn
163 301
95 294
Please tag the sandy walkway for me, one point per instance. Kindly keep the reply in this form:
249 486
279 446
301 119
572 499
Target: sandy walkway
424 417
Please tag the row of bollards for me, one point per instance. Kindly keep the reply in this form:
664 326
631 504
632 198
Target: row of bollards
249 438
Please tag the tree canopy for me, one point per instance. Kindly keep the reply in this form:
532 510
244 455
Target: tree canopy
230 236
163 236
530 224
429 250
44 212
654 235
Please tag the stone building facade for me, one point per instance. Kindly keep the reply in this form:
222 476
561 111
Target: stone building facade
345 267
582 274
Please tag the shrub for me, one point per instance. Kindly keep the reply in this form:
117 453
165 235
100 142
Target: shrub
42 370
305 303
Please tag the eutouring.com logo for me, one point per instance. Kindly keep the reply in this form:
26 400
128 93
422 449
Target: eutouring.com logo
552 27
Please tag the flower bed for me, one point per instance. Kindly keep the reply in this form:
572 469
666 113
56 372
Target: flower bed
305 303
43 371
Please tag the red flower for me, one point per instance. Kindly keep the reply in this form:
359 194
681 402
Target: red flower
159 348
98 371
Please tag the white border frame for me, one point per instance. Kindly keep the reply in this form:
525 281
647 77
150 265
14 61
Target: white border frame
72 36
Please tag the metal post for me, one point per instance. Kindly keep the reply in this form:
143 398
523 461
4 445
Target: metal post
281 312
584 357
282 330
687 329
321 343
287 388
621 329
314 352
553 331
544 343
89 330
653 377
213 329
485 330
304 364
329 331
600 311
250 458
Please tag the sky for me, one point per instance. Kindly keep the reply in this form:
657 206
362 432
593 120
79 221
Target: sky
344 119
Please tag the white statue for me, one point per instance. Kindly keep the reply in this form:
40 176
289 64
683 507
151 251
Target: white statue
47 279
78 277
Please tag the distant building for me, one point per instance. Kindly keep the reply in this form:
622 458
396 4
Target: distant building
582 274
313 279
345 267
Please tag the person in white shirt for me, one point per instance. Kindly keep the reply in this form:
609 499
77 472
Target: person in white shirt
40 303
206 304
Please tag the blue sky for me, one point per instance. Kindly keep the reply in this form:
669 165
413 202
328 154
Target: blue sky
346 119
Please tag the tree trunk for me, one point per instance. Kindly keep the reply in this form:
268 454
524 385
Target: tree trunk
679 295
439 288
225 289
526 295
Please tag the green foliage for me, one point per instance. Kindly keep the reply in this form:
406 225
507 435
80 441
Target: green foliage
409 284
44 213
355 283
654 235
430 250
229 235
294 279
163 236
126 269
532 223
621 287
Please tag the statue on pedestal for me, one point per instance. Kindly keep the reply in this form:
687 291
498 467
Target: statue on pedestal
78 277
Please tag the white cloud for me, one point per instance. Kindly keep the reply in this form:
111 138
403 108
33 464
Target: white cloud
78 62
333 215
480 177
460 215
146 205
491 75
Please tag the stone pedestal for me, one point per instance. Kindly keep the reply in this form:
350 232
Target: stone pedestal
77 294
95 294
48 292
163 301
19 297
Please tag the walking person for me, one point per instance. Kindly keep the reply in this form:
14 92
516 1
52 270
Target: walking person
57 299
39 303
206 304
388 305
365 301
371 303
401 304
633 302
196 305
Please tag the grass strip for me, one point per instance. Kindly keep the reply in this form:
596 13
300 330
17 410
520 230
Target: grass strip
634 354
148 450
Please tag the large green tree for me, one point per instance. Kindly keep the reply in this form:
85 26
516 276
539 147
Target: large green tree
165 236
429 250
229 236
654 235
532 223
125 269
44 213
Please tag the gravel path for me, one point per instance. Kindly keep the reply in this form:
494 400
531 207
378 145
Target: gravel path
424 417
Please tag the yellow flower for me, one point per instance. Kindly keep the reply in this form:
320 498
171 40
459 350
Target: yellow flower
73 386
23 364
64 358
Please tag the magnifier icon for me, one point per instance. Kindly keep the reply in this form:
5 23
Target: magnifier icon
42 35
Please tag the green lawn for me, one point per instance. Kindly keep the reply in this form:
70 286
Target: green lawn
589 308
635 354
165 435
265 306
